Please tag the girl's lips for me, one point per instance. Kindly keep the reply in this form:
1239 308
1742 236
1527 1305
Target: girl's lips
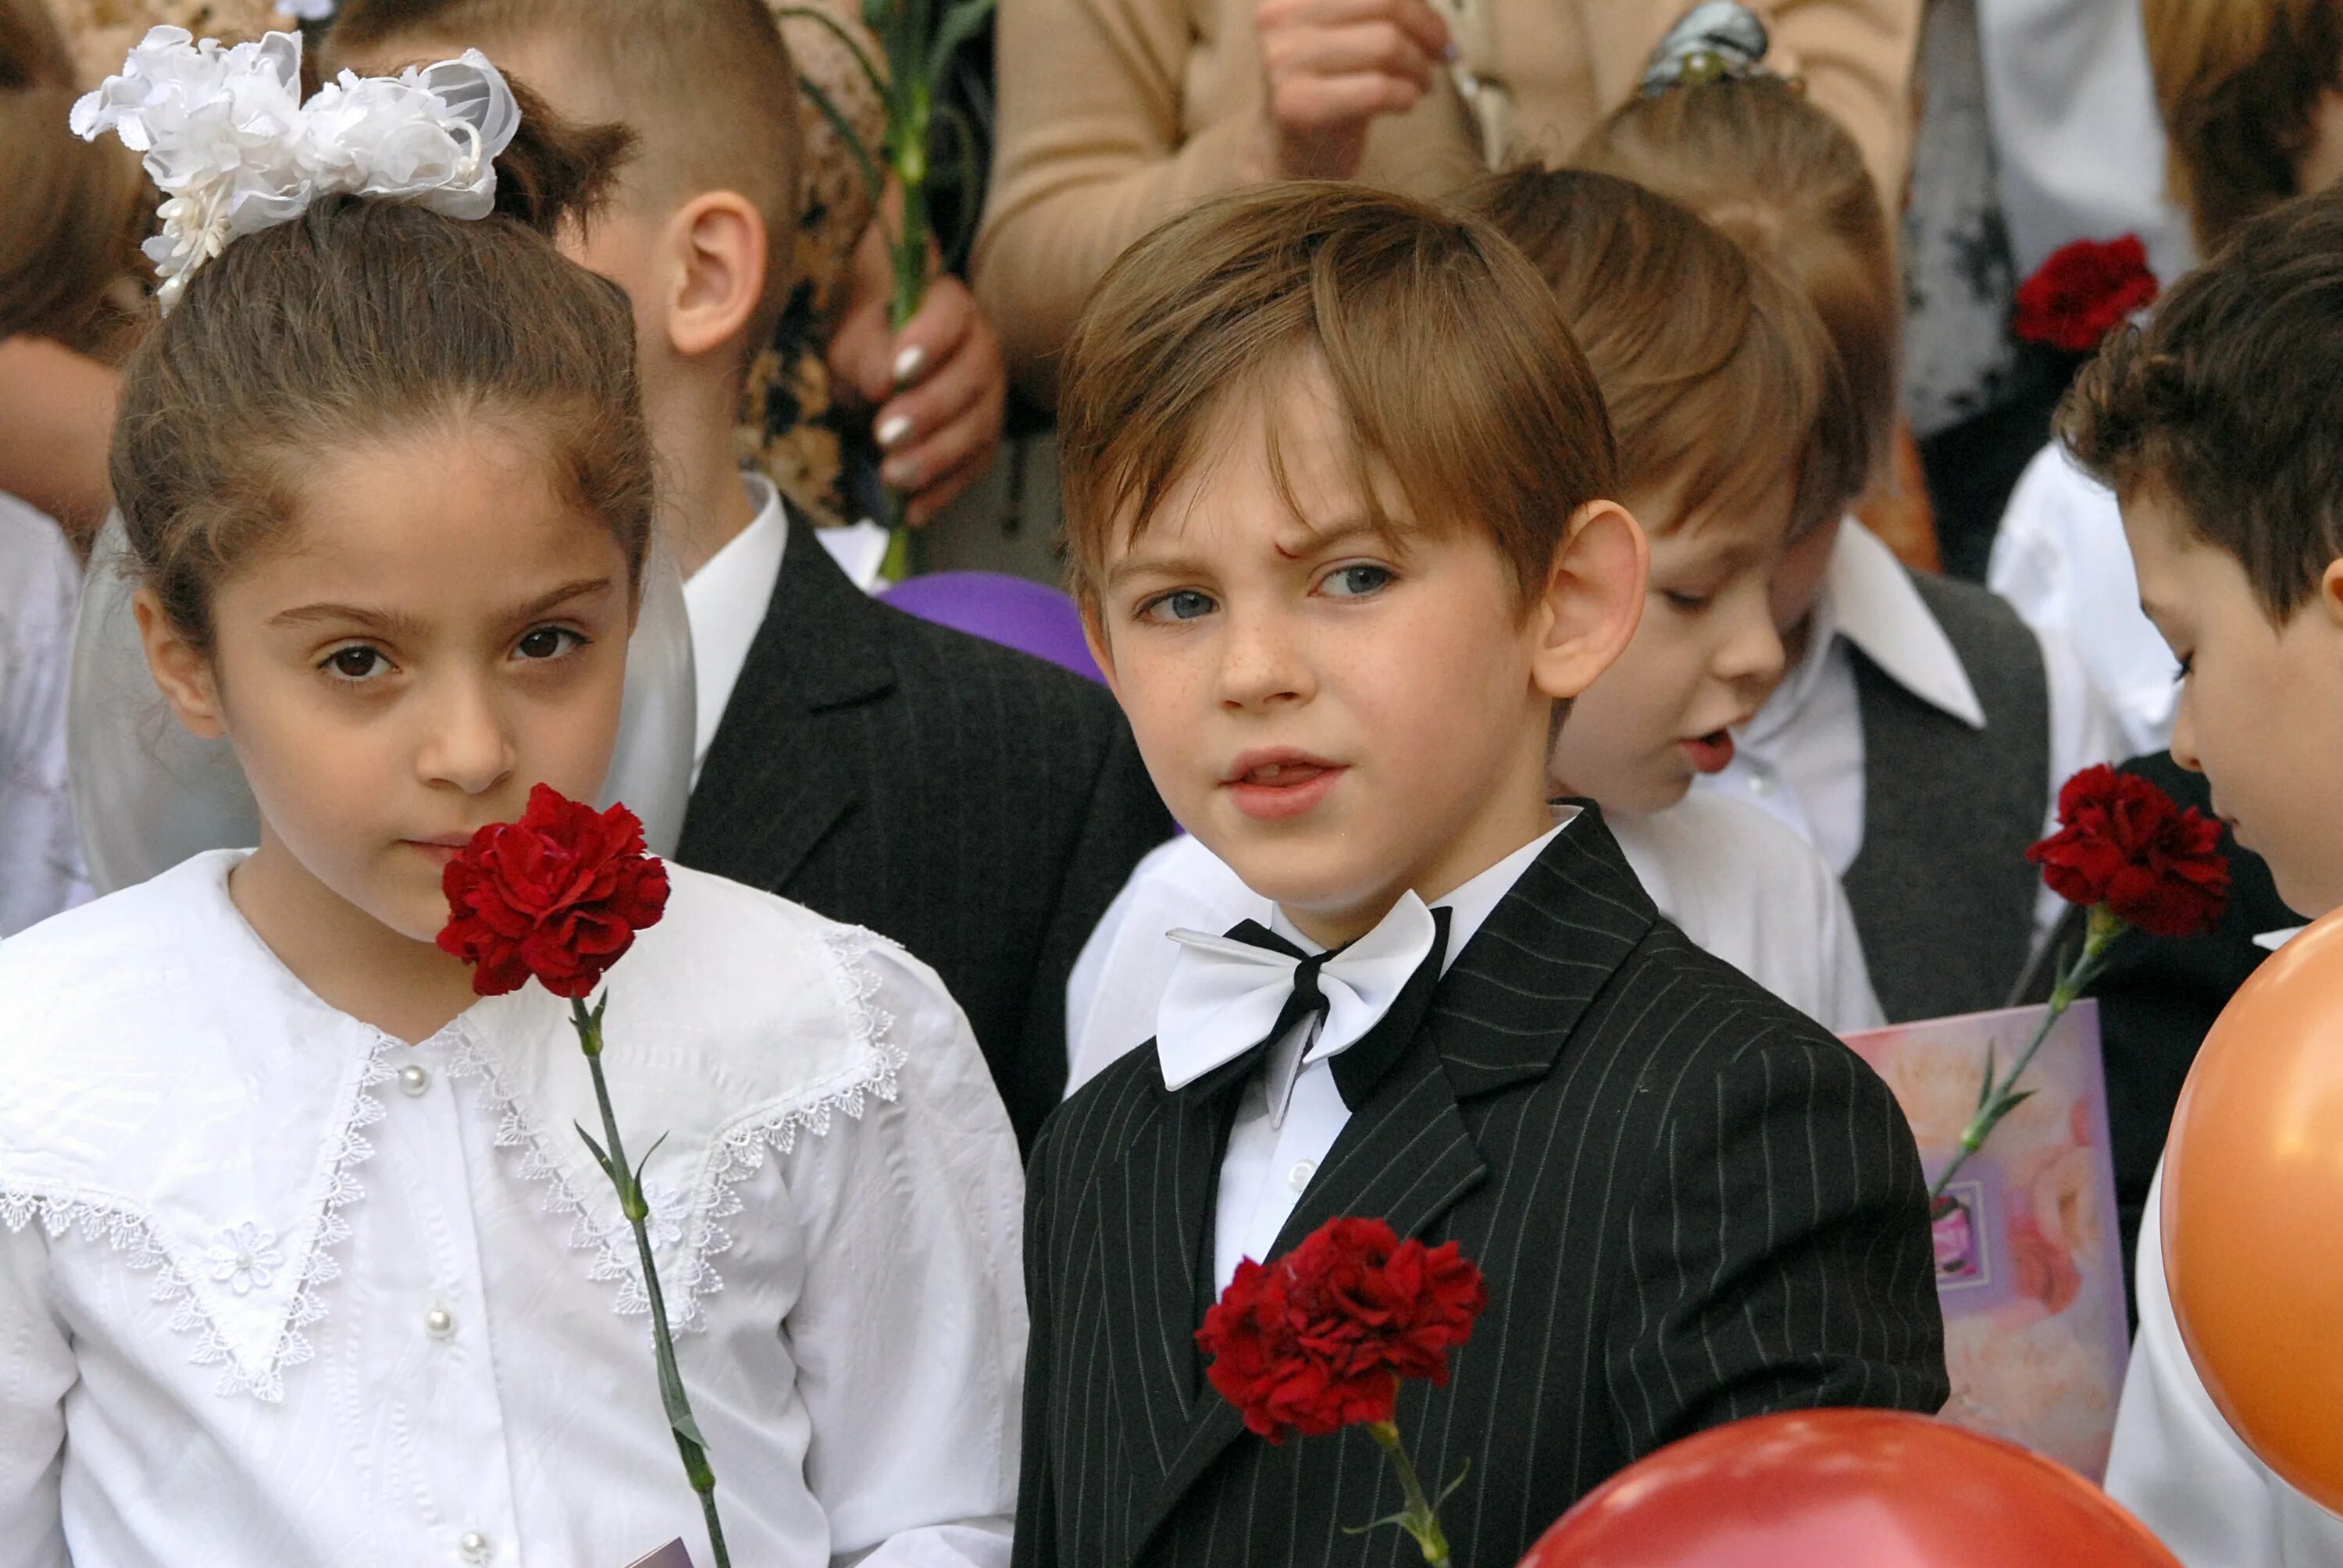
1294 788
1710 753
439 854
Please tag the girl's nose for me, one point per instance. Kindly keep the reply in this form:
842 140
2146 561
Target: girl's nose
466 743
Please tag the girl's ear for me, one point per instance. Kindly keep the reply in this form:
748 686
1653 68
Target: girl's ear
179 668
1593 598
716 260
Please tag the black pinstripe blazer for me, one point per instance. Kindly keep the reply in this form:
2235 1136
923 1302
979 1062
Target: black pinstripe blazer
980 807
1692 1204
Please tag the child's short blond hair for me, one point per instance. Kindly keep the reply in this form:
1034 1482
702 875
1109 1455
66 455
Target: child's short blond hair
1451 363
1719 378
1754 157
706 85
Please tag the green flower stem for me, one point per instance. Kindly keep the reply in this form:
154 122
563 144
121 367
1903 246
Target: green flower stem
624 1177
1996 1101
1417 1519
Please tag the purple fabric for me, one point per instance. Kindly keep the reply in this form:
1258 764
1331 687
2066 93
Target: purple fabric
1012 611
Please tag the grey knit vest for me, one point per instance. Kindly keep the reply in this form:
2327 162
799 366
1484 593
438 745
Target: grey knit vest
1942 892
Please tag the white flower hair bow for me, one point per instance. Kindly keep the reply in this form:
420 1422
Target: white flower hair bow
235 150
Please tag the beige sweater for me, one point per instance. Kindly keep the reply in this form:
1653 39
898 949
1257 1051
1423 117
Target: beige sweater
1116 114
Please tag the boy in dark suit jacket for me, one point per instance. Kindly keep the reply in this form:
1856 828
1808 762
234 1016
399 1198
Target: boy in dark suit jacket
979 806
1345 556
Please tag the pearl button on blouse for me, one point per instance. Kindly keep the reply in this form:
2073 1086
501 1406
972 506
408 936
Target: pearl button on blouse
414 1080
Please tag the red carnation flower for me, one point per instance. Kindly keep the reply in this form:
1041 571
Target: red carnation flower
1319 1339
2124 843
2085 291
558 895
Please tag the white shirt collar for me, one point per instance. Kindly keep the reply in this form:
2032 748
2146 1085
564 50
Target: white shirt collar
1867 597
727 599
1470 906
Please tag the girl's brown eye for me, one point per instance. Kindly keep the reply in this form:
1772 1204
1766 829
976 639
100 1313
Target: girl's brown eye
546 642
355 663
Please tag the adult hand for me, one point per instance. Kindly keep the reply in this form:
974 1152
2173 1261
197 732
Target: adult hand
939 386
1328 67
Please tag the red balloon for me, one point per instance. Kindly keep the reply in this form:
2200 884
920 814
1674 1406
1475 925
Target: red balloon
1846 1489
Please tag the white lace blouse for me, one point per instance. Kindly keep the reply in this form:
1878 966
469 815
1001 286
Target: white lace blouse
277 1290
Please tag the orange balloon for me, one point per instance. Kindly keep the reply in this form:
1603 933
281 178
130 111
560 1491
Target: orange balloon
1846 1489
2253 1211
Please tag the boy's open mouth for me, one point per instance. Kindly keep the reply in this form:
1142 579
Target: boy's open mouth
1710 753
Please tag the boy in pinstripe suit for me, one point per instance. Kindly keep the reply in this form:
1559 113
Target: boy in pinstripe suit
1335 478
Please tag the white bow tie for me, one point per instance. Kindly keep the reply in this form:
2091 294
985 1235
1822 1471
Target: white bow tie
1225 996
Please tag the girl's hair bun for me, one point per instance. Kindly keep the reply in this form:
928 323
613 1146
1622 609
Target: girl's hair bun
557 171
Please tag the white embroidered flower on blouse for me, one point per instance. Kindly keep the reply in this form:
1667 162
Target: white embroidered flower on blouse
245 1259
230 141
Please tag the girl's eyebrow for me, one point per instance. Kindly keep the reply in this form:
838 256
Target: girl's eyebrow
397 623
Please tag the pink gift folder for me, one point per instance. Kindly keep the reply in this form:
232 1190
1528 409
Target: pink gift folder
671 1556
2029 1263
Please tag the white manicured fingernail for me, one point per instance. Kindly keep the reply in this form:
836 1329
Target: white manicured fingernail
909 364
891 430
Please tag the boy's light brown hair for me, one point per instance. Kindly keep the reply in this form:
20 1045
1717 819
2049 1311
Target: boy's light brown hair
2224 406
1450 359
2237 85
706 85
1754 157
1720 380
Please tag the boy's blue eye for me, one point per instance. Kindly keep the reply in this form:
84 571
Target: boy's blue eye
547 642
1181 603
356 662
1356 581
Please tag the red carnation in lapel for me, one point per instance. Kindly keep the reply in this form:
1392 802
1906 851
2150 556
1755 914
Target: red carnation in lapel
558 895
1320 1340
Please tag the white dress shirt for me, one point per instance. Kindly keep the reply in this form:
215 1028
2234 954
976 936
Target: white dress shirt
1740 884
727 598
40 852
2061 558
1273 1151
1802 757
2179 1466
276 1288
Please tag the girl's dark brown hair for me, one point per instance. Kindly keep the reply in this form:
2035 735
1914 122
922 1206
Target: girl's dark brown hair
1718 376
1757 160
367 317
71 214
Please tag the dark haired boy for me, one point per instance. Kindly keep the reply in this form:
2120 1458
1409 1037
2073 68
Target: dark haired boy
1344 554
979 806
2216 427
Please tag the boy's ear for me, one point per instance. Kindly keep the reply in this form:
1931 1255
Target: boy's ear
1593 598
2330 592
179 668
715 247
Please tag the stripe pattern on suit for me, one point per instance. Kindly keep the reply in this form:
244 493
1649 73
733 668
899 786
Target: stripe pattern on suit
1693 1204
976 804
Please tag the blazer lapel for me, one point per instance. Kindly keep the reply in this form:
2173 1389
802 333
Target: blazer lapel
1158 1201
771 789
1405 1155
1502 1015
